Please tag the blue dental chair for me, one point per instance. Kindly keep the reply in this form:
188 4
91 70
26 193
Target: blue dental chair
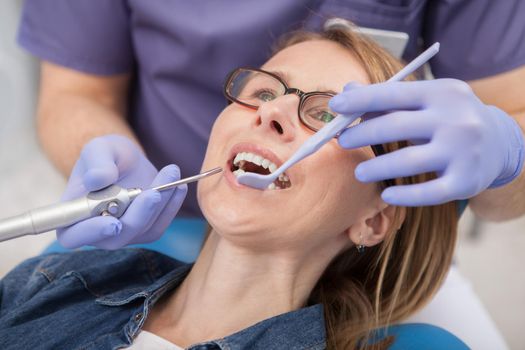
182 240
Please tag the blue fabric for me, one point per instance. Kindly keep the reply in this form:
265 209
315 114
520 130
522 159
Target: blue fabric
424 337
98 300
462 206
181 241
180 51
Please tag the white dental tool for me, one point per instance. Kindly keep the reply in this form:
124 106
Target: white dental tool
327 132
112 200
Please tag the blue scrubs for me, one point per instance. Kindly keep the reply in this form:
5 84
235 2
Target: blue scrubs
180 51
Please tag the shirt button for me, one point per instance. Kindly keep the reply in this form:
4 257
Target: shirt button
138 317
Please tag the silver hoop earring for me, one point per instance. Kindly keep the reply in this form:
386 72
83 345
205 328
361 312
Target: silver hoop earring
360 247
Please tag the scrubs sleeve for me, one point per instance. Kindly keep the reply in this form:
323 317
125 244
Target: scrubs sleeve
479 38
90 36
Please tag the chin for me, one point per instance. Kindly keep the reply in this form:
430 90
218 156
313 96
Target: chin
235 215
232 217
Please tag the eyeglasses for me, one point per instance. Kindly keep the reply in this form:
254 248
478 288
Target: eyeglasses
251 87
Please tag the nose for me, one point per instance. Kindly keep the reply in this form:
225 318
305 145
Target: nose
279 118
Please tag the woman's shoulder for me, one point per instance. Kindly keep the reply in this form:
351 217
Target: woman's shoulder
412 336
101 270
134 260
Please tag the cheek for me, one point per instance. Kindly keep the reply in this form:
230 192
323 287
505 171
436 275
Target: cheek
220 133
339 164
349 160
219 130
338 193
216 155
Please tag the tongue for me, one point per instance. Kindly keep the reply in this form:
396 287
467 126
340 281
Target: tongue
254 168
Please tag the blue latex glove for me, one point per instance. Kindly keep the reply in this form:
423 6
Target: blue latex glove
114 159
471 146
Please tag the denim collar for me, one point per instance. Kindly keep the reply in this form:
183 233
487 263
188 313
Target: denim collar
300 329
151 291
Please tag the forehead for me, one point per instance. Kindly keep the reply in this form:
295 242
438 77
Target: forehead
317 65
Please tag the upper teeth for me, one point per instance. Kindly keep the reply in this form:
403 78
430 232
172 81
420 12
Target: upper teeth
259 160
256 159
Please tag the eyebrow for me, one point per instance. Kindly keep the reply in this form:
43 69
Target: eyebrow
286 77
283 75
323 89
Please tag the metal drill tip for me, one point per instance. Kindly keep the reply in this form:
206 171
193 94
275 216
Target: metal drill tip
188 179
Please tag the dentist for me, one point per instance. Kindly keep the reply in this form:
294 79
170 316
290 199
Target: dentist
151 75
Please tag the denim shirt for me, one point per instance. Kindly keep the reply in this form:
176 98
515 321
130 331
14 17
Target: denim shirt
100 300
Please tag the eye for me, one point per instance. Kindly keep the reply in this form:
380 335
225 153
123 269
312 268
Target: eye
322 115
264 95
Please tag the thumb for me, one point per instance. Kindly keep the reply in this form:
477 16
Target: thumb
89 232
352 85
98 160
97 178
336 101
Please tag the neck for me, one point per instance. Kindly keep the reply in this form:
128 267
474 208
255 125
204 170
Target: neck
239 287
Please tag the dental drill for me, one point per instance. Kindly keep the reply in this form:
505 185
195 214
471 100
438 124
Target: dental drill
112 200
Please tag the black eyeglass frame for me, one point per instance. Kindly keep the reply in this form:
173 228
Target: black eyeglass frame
377 149
303 96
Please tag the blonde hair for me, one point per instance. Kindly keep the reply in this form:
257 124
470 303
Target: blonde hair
362 292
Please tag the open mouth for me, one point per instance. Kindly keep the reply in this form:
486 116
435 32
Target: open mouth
250 162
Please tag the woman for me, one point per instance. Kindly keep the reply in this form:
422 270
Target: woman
315 261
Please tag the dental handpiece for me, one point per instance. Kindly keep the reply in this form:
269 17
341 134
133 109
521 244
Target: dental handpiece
112 200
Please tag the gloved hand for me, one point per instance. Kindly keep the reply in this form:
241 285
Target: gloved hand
471 146
114 159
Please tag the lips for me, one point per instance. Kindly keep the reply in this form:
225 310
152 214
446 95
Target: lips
254 158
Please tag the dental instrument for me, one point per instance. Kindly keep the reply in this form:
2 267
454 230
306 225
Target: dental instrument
331 129
112 200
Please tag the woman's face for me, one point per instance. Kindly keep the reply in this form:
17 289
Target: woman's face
324 198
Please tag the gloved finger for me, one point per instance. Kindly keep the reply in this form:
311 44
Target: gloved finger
381 97
407 161
352 85
75 186
135 220
165 217
391 127
166 175
89 231
433 192
170 205
98 161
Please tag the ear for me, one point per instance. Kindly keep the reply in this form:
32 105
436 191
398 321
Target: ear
373 229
